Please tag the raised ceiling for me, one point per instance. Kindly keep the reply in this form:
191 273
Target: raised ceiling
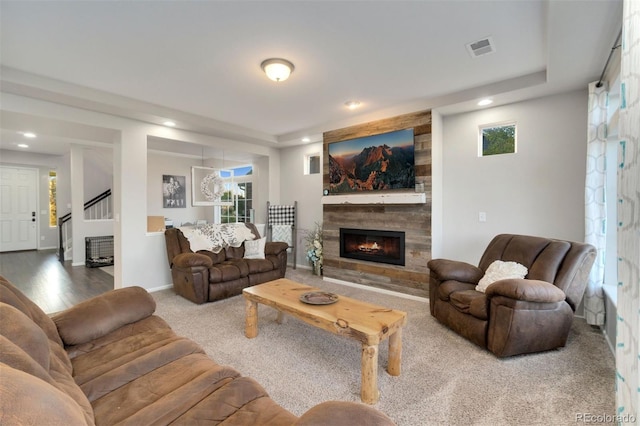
198 62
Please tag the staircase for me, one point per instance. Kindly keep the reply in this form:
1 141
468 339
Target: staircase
98 208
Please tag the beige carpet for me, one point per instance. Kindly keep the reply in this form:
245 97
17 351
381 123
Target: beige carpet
445 379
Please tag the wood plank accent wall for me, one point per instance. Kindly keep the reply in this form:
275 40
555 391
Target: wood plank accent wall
413 219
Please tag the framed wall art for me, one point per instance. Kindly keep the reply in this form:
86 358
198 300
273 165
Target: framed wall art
173 192
380 162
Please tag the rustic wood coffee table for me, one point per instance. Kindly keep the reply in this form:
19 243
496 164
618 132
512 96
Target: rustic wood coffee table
369 324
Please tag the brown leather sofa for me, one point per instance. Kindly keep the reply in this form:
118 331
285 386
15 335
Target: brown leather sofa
513 316
110 361
205 276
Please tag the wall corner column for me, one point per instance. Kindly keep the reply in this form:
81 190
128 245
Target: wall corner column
437 167
130 208
77 204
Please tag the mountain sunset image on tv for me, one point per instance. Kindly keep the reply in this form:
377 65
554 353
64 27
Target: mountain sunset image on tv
373 163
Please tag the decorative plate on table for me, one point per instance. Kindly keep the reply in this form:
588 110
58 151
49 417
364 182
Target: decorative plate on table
318 298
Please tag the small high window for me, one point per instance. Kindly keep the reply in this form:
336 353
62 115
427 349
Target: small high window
497 139
312 164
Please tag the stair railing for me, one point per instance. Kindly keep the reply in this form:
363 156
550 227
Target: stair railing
98 207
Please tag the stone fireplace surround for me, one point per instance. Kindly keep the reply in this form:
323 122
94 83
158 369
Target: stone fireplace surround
403 211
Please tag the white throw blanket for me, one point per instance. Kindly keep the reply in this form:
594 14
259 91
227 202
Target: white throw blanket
282 233
215 237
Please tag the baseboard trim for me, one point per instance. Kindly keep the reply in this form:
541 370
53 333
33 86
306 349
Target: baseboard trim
377 290
160 288
609 342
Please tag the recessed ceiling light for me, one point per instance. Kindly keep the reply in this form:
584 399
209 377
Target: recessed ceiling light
169 123
23 145
30 135
306 139
485 102
352 104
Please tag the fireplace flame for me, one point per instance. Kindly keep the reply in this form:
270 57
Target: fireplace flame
369 247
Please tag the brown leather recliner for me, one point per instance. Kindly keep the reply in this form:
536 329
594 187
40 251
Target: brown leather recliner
205 276
514 316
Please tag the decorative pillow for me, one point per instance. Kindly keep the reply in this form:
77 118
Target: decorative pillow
254 249
500 270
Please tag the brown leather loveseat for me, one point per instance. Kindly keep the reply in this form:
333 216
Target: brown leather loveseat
111 361
516 315
206 276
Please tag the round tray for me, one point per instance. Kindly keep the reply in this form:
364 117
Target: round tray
318 298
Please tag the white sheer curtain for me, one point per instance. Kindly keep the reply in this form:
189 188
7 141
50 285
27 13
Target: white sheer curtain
628 202
595 201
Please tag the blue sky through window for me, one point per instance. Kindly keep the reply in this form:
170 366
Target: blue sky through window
243 171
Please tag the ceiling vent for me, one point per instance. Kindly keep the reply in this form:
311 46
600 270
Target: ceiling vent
481 47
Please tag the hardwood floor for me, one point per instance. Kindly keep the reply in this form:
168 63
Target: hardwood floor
52 285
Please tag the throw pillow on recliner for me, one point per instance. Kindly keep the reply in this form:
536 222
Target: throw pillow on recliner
500 270
254 249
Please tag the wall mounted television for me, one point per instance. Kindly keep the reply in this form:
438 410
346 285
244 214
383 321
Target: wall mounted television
373 163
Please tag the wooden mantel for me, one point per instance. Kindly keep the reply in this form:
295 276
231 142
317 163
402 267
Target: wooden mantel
387 198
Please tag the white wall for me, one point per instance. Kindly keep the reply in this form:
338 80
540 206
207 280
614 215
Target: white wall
436 184
98 171
537 191
159 165
63 191
305 189
261 193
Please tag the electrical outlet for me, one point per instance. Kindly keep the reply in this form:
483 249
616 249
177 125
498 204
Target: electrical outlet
482 216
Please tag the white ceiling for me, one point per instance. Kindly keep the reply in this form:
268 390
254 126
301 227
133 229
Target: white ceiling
198 62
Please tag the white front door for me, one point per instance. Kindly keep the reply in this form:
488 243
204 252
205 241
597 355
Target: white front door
18 208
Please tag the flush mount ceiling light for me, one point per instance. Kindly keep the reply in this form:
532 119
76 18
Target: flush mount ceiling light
23 145
169 123
306 139
352 104
29 135
485 102
277 69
